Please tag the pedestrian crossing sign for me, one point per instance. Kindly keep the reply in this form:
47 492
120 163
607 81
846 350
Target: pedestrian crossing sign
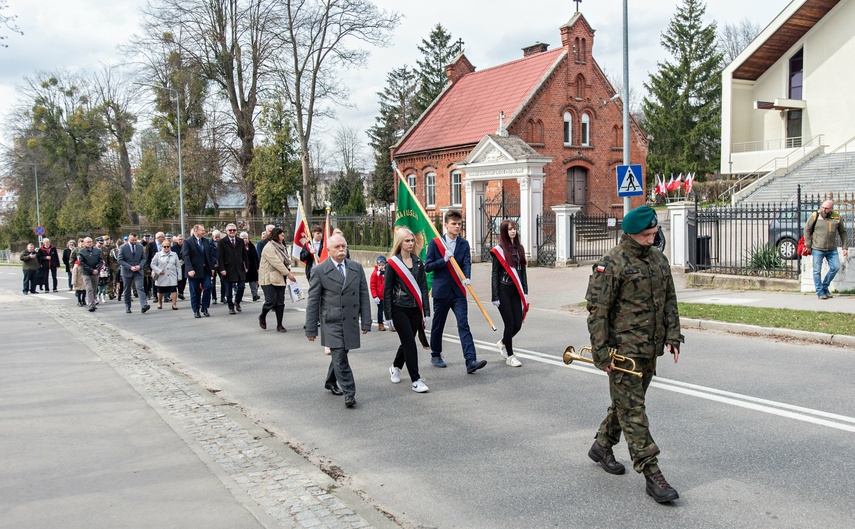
630 181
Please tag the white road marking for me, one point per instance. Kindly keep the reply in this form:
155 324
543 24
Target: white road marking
789 411
726 301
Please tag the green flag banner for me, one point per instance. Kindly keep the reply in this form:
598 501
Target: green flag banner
408 212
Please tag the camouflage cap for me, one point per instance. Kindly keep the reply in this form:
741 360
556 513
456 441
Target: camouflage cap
640 219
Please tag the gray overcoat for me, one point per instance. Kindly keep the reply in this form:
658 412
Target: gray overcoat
338 304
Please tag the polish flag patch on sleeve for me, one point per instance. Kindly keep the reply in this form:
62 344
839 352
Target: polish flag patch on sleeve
601 268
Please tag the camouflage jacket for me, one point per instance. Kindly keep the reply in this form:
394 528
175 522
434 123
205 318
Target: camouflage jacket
111 258
632 304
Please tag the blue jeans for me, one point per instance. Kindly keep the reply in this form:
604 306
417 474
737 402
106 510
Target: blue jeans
833 259
195 283
460 308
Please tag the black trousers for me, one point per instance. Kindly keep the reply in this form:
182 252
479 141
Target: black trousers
510 307
30 280
407 322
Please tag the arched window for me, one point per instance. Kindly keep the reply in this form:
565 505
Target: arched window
580 86
584 57
411 181
586 129
456 188
538 132
430 189
616 136
568 128
529 131
576 50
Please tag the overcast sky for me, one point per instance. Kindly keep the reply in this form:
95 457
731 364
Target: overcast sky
78 35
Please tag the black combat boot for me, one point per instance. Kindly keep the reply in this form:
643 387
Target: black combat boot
606 458
658 488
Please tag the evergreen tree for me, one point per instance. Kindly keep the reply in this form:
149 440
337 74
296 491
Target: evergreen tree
683 109
275 168
397 114
437 52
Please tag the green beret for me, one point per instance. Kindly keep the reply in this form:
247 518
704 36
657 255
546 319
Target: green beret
640 219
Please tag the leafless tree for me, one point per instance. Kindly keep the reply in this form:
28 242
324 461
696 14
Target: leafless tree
733 38
234 43
116 94
7 21
348 147
318 37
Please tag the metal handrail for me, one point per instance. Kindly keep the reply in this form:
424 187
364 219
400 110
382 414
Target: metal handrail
774 163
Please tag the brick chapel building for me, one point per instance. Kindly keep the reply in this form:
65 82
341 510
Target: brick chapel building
550 116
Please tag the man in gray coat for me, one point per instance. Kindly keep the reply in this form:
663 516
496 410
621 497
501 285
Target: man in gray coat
338 295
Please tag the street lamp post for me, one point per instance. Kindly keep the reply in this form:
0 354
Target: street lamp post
180 170
627 205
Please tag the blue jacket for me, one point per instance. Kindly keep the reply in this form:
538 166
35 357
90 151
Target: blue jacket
444 286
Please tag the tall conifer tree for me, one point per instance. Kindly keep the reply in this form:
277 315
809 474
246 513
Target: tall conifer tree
437 52
683 108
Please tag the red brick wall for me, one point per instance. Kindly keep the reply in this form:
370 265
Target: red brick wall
541 124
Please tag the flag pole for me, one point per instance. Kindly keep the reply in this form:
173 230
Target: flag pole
453 261
305 224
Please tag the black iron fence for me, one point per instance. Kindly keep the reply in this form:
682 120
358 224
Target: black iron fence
595 235
493 212
546 250
757 239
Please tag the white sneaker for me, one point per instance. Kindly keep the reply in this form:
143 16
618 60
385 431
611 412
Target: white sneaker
513 362
419 386
327 351
502 351
395 374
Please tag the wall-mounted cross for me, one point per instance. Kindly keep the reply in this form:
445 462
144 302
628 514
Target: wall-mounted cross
577 4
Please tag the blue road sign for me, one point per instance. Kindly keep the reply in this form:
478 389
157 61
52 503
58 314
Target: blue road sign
630 181
39 231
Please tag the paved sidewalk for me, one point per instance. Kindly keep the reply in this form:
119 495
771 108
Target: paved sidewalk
97 433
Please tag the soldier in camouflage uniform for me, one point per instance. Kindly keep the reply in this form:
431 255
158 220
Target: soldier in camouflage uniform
112 260
632 307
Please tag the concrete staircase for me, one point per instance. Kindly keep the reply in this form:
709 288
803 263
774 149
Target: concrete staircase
825 173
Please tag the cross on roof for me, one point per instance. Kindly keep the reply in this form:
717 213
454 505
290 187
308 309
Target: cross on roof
577 4
459 45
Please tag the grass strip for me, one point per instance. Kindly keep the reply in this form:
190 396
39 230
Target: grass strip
800 320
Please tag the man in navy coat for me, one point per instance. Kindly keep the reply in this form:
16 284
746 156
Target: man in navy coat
449 291
198 255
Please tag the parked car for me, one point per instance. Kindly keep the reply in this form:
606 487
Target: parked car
786 228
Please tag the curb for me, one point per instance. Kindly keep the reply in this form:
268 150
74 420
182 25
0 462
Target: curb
741 328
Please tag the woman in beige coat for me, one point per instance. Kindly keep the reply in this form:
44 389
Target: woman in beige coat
273 268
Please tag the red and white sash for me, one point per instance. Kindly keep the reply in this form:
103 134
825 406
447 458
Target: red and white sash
512 273
409 281
454 275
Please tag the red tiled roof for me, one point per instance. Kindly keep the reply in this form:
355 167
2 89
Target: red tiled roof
470 108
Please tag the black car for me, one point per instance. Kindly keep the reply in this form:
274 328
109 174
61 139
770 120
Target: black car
786 228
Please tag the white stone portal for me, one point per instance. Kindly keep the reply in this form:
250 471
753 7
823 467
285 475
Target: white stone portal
502 158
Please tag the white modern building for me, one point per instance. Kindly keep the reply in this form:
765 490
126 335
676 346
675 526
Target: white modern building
788 96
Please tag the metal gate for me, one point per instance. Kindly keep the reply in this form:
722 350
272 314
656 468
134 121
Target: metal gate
493 212
546 239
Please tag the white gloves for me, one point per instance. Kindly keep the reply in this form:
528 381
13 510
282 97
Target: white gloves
377 301
427 322
448 255
390 325
467 282
496 302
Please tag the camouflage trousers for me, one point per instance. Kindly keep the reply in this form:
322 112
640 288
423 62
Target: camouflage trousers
111 282
628 414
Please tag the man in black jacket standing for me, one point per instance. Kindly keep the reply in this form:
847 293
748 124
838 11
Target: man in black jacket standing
233 264
90 266
49 262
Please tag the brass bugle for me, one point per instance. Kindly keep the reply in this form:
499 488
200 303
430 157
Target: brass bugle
570 354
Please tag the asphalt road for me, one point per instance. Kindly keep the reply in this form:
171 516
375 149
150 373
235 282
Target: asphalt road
753 432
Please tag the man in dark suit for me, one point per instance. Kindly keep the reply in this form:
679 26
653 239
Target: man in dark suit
198 256
49 262
338 296
131 258
449 291
233 262
312 249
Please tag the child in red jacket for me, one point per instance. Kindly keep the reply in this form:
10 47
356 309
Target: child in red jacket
378 280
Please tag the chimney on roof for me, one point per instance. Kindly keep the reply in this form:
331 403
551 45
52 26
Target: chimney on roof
537 47
459 67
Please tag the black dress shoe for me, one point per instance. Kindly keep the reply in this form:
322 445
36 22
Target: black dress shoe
206 313
474 365
350 402
606 458
256 298
180 296
237 307
128 311
262 322
145 309
232 311
334 389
